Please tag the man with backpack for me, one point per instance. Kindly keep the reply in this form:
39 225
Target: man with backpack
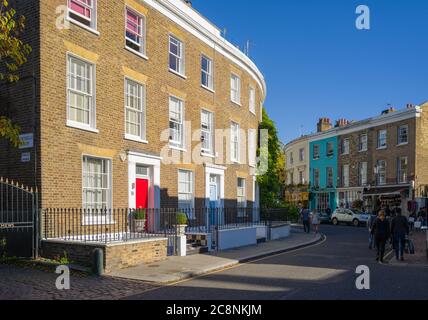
400 231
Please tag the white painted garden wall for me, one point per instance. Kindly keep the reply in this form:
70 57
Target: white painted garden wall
236 238
280 232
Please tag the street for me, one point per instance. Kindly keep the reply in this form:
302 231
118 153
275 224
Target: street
325 271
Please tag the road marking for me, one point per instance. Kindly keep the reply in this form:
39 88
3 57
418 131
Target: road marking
234 267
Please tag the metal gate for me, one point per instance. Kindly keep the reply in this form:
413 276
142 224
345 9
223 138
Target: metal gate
18 220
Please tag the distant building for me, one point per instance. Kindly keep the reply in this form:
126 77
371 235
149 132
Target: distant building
381 161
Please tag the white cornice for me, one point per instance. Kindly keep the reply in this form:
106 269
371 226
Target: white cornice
193 22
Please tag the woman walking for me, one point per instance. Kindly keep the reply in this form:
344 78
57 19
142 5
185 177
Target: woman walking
315 220
381 232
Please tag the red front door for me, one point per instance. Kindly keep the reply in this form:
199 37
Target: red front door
142 201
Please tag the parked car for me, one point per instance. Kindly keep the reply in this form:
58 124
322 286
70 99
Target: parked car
325 218
349 216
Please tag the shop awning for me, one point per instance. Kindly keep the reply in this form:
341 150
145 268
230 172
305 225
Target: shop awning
389 191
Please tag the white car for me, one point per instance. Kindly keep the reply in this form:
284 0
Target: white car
349 216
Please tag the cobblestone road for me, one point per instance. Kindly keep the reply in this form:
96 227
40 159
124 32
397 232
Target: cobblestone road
17 283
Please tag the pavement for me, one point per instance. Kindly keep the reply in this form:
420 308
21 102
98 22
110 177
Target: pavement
420 257
176 269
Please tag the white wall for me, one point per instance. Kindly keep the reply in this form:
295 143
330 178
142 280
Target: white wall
236 238
280 232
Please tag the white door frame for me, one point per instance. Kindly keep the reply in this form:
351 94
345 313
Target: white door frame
154 164
217 171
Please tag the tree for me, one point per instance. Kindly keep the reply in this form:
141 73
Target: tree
13 54
272 182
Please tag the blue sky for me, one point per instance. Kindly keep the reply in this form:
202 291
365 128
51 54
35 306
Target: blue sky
317 64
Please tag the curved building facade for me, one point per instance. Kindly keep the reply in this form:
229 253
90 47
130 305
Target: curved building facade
139 103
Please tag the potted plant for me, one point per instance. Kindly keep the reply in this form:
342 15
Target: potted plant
140 218
181 223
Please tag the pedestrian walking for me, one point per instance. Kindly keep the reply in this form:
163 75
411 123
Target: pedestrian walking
370 223
315 219
381 232
306 219
399 231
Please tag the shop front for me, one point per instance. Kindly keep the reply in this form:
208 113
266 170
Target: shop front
388 199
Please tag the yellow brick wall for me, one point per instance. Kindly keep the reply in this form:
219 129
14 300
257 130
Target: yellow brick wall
62 147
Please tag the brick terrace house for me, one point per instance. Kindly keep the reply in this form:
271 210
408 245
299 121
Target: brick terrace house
114 90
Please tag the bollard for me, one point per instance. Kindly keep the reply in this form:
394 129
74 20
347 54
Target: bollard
98 262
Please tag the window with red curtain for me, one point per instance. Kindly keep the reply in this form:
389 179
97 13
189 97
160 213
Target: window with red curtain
134 27
82 7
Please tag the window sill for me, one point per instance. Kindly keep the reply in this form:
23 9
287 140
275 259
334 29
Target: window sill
141 55
77 23
208 155
361 151
135 139
402 144
178 74
207 88
177 148
382 148
80 126
235 162
253 113
236 103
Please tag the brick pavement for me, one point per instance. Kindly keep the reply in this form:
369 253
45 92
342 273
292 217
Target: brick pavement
18 283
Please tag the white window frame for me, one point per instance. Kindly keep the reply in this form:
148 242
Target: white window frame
328 171
92 218
252 147
180 144
189 193
92 23
363 146
330 151
362 173
345 175
382 136
291 158
316 177
381 176
208 73
91 126
402 174
235 142
207 130
252 100
241 193
346 146
180 56
316 155
142 35
235 89
141 111
400 135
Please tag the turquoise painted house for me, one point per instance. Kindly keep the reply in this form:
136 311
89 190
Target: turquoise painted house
324 174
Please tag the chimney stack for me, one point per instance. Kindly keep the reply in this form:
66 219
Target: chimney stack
324 124
410 106
341 123
188 2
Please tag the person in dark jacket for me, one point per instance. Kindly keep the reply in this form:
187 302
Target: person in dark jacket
381 232
399 231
